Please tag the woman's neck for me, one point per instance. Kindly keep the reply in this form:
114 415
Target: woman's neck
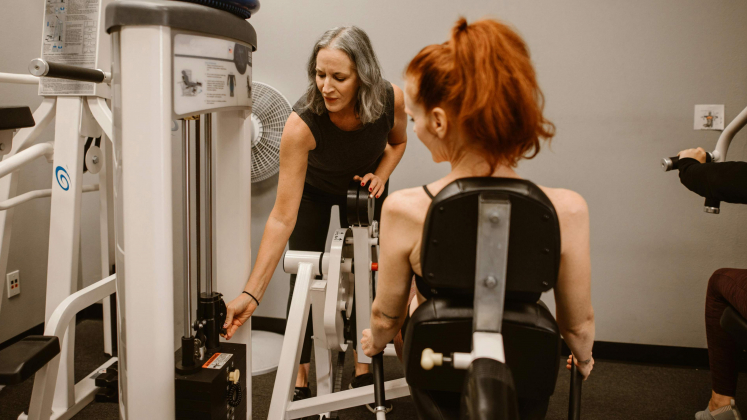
472 164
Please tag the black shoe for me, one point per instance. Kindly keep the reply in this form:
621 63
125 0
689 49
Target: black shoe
365 380
301 393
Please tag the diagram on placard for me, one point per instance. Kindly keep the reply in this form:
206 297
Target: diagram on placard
190 87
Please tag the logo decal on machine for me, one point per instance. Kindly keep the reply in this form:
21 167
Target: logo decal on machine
63 179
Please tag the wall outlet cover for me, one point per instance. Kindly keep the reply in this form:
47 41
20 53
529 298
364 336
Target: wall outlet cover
13 280
709 117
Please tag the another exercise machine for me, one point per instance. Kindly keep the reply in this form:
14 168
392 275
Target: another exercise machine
75 96
346 285
717 155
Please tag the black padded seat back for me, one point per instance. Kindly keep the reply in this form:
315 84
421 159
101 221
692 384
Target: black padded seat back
449 245
530 337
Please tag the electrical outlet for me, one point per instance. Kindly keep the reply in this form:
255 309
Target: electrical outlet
14 283
709 117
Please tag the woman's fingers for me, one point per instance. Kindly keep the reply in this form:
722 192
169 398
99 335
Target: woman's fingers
366 178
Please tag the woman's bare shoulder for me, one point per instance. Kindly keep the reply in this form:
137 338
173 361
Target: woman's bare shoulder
567 203
410 204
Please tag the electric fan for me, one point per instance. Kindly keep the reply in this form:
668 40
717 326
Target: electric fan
270 110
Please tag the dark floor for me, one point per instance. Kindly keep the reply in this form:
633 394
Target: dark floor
614 391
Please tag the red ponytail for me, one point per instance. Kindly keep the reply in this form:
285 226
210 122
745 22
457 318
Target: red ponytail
483 75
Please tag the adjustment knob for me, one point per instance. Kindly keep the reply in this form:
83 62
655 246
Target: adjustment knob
234 376
428 359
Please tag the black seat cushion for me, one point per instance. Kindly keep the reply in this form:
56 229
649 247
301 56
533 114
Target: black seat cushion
22 359
530 335
735 324
13 117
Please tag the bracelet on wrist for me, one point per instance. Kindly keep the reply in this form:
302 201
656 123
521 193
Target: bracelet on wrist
251 296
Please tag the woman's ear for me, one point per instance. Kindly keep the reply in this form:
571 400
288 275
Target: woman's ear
439 123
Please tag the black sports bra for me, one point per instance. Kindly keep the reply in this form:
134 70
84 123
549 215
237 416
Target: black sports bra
419 282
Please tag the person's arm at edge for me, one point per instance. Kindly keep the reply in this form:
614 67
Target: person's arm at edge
295 144
573 308
723 181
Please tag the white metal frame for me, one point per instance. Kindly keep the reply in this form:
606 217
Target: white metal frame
313 293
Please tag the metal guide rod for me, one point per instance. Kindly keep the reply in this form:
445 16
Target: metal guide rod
187 235
209 204
198 210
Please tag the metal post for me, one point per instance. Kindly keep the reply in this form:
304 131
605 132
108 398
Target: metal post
198 211
187 232
208 205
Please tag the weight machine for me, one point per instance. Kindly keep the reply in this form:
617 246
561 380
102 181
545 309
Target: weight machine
347 285
717 155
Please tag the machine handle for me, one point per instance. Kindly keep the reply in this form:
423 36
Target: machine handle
377 365
668 164
43 68
574 399
712 206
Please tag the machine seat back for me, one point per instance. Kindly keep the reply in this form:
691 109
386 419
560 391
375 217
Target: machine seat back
445 321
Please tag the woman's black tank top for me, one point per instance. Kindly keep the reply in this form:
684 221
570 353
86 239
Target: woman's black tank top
339 155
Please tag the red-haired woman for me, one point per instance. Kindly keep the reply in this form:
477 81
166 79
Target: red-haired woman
476 104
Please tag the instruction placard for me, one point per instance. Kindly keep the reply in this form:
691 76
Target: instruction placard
217 361
210 73
70 37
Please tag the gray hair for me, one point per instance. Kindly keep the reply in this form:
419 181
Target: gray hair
354 42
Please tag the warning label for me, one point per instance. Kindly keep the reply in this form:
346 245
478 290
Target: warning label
217 361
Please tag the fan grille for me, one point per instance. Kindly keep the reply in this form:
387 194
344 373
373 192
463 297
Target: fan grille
272 110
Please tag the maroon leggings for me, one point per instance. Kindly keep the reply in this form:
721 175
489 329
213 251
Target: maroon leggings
727 286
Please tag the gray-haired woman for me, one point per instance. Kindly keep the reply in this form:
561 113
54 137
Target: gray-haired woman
349 125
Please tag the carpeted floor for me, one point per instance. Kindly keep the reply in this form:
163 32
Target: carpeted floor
614 391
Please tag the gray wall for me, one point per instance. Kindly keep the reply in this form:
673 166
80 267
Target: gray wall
620 82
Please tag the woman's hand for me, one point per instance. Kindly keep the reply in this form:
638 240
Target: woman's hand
367 344
698 154
376 188
583 368
237 312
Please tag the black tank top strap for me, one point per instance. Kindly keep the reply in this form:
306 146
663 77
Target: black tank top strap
423 288
427 191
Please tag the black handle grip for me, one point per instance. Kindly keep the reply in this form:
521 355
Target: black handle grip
44 68
377 365
574 399
672 163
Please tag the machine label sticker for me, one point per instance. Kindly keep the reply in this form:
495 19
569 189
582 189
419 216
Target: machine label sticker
70 37
62 177
217 361
210 73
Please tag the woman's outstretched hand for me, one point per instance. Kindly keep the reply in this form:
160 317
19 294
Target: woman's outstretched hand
376 188
238 312
583 368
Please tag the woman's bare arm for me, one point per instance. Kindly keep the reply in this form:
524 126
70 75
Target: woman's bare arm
574 312
395 148
295 144
399 233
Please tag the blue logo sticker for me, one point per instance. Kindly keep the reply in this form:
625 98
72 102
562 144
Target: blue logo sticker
63 179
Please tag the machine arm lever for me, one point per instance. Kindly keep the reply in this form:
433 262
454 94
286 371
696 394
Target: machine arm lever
43 68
